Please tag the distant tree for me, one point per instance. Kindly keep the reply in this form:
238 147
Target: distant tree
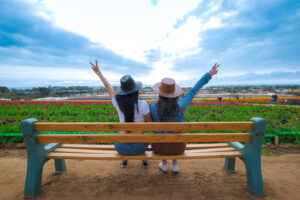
3 89
14 95
43 91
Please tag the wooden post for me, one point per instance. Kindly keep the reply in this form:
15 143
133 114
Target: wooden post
276 140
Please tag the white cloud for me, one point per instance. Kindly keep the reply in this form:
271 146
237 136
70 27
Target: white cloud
46 73
162 69
214 22
182 39
178 39
128 28
44 15
274 70
217 21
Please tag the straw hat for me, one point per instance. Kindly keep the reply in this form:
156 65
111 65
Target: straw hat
167 88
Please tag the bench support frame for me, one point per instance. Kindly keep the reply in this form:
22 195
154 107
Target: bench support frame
230 165
36 158
251 157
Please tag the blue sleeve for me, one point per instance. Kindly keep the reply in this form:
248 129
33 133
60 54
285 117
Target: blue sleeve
187 99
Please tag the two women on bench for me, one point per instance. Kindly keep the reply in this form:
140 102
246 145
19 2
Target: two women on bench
169 108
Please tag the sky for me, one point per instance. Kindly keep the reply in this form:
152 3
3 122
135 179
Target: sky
51 42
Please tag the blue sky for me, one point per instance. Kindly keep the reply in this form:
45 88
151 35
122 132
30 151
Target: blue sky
50 42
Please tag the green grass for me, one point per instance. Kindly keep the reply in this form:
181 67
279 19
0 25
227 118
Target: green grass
279 118
265 152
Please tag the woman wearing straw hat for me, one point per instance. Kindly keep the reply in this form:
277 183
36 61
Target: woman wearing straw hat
169 108
130 109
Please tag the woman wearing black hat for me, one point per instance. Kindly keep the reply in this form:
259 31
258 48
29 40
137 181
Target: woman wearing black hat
169 108
129 108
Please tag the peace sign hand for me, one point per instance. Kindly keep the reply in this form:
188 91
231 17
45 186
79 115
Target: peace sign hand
95 67
214 70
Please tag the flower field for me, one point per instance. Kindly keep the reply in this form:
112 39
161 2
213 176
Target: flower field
280 119
281 100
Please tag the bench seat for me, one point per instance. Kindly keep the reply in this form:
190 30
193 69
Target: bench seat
111 147
107 152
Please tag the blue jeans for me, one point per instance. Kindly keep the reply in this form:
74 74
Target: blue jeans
131 148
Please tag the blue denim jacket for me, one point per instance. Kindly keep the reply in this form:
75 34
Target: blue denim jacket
183 103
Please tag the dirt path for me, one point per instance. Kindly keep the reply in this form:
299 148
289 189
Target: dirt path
198 179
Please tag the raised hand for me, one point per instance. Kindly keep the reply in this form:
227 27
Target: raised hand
95 67
110 89
214 70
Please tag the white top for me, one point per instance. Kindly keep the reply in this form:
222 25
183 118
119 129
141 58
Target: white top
138 116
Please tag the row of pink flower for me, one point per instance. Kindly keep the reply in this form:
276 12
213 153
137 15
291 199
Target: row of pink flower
54 102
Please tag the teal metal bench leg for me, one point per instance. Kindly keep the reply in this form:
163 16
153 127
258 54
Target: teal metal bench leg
254 175
252 156
60 166
230 165
36 158
33 183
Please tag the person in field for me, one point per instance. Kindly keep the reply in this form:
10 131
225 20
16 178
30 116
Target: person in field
169 108
130 109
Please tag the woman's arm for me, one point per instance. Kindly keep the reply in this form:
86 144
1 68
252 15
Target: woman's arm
148 117
110 89
187 99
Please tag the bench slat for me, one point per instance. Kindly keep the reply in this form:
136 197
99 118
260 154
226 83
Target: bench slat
212 150
89 146
144 126
111 147
206 146
149 138
147 156
66 150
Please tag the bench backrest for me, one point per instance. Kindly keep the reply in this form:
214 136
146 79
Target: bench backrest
146 126
31 128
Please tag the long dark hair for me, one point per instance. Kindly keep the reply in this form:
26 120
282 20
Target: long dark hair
127 103
167 108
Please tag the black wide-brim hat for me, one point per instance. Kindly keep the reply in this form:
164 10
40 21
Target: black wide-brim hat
128 85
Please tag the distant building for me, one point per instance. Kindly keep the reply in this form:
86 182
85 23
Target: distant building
203 91
3 99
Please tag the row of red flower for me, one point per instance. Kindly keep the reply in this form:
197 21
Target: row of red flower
89 102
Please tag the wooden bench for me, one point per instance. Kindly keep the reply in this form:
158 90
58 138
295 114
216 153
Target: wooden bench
90 146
